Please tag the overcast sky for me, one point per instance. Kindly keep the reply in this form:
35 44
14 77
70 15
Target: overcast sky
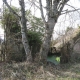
71 19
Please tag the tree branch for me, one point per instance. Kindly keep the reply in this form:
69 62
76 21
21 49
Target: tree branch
41 9
33 3
73 8
11 9
70 11
62 4
55 5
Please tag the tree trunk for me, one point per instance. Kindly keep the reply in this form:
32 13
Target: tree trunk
65 53
23 22
46 44
53 9
24 31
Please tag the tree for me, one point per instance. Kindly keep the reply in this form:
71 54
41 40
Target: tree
12 27
54 9
35 24
69 29
13 35
23 25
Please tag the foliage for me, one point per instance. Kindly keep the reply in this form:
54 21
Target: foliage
69 29
11 21
34 35
36 24
77 34
35 71
18 57
78 26
58 59
35 41
53 59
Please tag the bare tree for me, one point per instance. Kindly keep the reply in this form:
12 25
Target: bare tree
54 9
23 25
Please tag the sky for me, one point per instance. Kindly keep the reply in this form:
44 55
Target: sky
71 19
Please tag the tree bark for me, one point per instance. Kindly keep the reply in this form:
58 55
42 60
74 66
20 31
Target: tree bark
53 9
46 44
23 25
24 31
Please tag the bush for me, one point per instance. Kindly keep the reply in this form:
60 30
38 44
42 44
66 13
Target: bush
12 29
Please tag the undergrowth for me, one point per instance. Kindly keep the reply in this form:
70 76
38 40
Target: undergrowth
36 71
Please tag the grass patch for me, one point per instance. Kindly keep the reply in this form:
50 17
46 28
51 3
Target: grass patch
35 71
54 59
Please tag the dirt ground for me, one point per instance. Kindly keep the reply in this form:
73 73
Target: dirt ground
34 71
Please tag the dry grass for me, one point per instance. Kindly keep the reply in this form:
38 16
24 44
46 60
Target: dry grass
71 36
34 71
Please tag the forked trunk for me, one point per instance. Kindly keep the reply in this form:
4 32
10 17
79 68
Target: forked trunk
53 9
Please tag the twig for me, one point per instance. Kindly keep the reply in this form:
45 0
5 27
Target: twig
41 9
11 9
70 11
